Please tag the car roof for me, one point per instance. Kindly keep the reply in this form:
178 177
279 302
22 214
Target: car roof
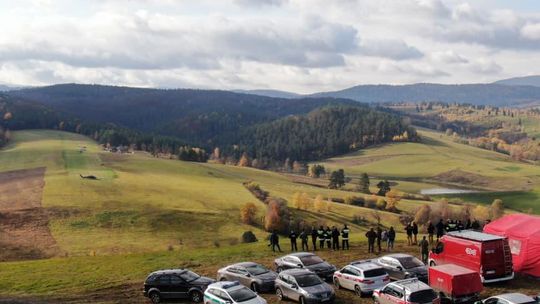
301 254
475 235
244 264
169 271
515 297
297 271
364 265
227 285
412 285
398 255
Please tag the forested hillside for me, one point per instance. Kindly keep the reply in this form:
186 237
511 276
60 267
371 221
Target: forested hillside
189 122
323 133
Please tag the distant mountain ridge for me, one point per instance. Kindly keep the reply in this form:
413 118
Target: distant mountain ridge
533 80
478 94
270 93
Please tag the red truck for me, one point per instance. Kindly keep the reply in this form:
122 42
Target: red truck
487 254
455 283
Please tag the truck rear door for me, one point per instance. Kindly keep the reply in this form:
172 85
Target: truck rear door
496 259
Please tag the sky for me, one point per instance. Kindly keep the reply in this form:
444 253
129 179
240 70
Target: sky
302 46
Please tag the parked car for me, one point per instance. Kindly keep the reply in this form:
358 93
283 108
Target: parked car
362 277
253 275
227 292
401 266
175 284
484 253
456 284
406 292
308 261
511 298
303 286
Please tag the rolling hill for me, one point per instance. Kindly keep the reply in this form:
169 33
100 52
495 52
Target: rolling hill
478 94
521 81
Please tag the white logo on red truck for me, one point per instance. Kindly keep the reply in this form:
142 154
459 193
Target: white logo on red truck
470 251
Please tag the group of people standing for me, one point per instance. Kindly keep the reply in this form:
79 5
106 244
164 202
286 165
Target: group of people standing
321 237
379 236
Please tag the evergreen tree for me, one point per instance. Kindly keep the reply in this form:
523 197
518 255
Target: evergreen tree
384 187
337 179
363 185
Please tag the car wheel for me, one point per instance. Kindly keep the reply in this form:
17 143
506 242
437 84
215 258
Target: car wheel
279 269
195 296
155 297
279 294
255 287
358 291
432 263
302 300
336 283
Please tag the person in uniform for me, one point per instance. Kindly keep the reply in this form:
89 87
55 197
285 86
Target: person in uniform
274 241
371 236
345 237
424 249
304 239
293 236
314 238
328 237
321 236
335 238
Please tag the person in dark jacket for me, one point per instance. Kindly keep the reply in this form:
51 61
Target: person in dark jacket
460 226
409 230
379 238
321 236
391 239
440 229
328 237
314 238
371 236
335 238
475 225
304 239
293 236
415 232
424 249
274 241
430 231
345 237
468 224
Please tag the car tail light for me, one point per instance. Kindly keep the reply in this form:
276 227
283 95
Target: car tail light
364 281
386 279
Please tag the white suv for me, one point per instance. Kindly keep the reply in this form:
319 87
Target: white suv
406 292
362 277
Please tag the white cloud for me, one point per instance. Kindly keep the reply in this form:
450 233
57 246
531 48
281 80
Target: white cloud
299 45
531 31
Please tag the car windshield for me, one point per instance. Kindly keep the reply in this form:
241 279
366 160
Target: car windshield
257 270
242 294
410 262
308 280
189 276
311 260
377 272
423 296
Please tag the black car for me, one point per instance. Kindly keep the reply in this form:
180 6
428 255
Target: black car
401 266
175 284
308 261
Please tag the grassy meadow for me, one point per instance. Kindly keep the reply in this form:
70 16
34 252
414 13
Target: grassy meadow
145 213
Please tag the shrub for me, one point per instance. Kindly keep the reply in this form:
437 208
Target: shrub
381 203
249 237
248 213
354 200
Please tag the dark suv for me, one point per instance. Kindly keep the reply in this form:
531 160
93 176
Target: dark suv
175 284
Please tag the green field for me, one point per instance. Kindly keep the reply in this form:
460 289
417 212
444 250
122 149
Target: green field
146 213
426 164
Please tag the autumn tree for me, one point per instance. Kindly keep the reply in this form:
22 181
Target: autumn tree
306 202
316 170
363 184
392 199
297 200
497 209
277 215
244 160
381 203
248 213
423 215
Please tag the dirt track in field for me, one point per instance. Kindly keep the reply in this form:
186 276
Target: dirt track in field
24 224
